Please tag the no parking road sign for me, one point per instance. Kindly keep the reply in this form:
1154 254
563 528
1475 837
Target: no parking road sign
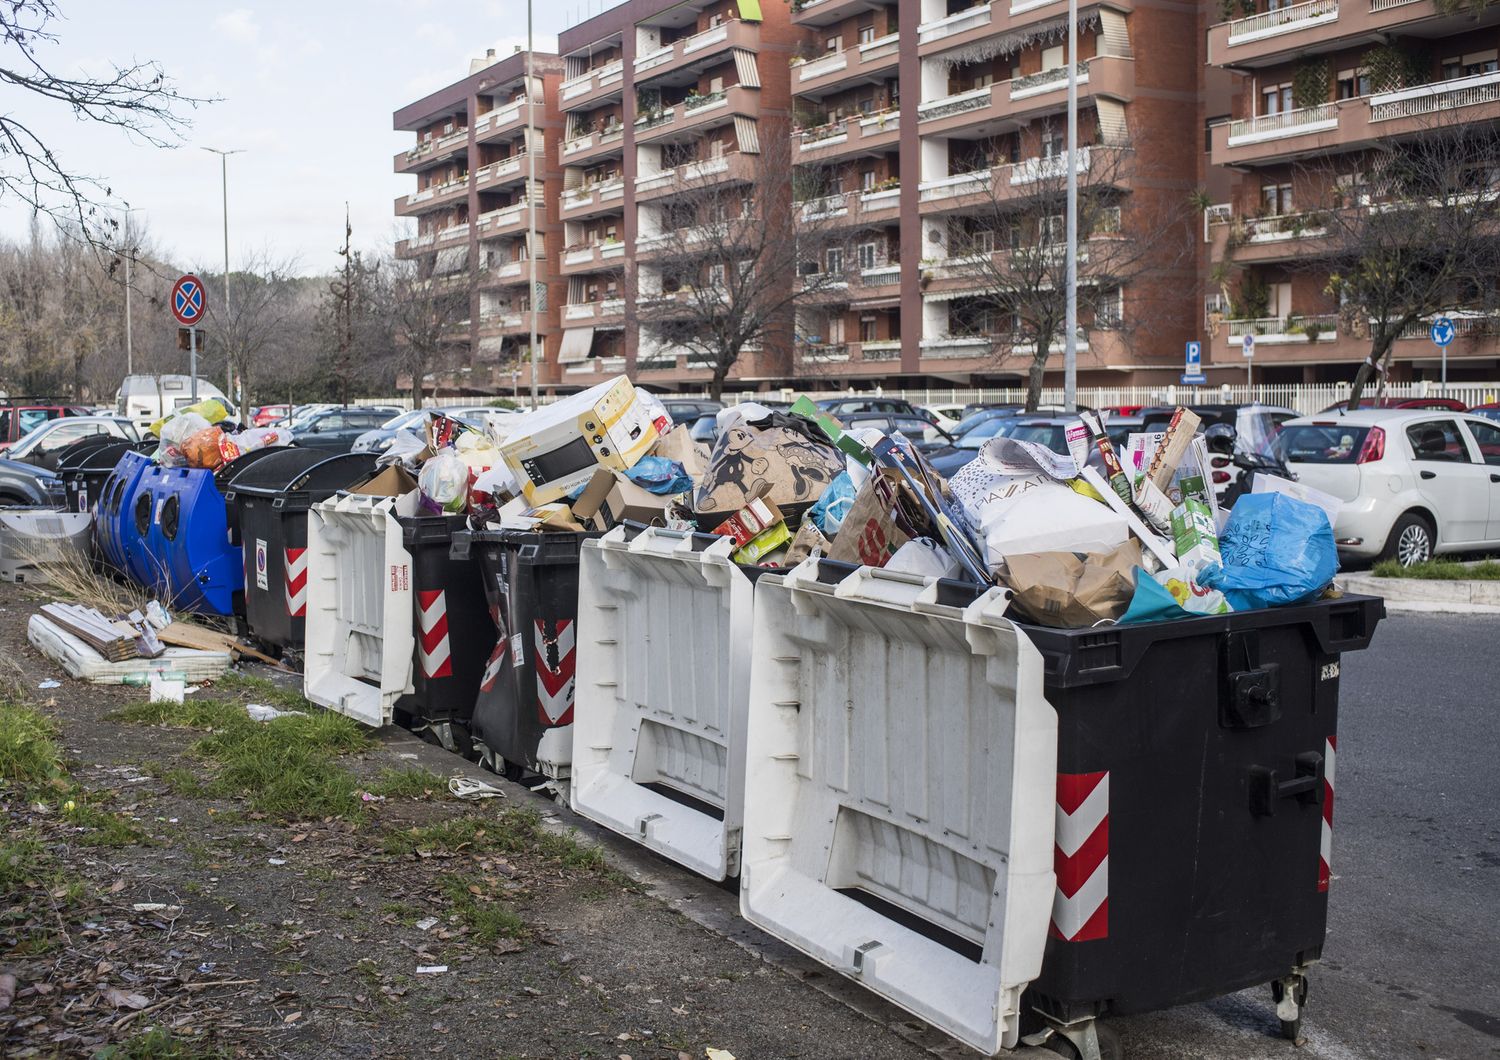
188 303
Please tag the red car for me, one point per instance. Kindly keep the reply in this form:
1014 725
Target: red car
269 414
1437 404
18 420
1124 410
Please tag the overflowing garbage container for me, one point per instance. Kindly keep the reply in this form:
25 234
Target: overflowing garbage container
662 694
271 499
396 625
960 811
523 713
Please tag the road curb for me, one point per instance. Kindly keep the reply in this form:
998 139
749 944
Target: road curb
1421 596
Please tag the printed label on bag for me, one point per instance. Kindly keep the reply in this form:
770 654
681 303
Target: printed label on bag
517 649
400 577
1330 671
260 565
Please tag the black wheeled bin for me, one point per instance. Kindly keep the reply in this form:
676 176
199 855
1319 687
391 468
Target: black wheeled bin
454 638
85 465
1194 805
270 499
524 710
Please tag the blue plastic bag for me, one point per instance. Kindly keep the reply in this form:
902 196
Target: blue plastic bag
1277 550
828 512
657 474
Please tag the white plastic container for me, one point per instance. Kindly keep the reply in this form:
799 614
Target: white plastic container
32 538
901 750
359 642
662 692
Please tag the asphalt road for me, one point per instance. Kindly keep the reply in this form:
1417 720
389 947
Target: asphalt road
1411 968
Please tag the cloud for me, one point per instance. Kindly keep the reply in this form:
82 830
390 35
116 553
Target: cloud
238 24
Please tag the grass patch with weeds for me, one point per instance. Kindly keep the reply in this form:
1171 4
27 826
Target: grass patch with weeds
101 828
486 917
158 1044
411 782
29 755
1445 570
194 713
512 831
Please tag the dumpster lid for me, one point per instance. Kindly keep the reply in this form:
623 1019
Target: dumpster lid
225 474
296 470
76 455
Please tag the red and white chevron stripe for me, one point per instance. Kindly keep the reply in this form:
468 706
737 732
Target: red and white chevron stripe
432 644
294 563
498 656
1325 847
1080 908
554 687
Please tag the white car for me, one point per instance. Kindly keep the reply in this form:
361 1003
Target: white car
946 416
1415 483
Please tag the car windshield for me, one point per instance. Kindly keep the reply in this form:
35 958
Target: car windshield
406 419
1321 443
1049 434
979 432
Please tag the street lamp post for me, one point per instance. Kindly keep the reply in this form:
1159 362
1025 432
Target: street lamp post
129 260
1070 316
531 202
224 189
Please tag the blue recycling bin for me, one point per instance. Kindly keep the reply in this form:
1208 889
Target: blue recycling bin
179 545
112 524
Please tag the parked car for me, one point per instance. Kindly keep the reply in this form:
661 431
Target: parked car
704 430
1415 482
1446 404
688 410
18 419
946 416
269 414
27 484
380 438
843 408
1489 412
969 436
42 446
337 429
925 435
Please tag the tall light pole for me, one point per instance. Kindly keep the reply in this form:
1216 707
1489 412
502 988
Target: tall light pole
224 188
1070 316
531 200
129 260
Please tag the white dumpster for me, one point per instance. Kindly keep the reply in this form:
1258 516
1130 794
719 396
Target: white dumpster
663 686
33 538
900 776
359 644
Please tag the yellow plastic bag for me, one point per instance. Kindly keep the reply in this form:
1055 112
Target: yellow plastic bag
211 409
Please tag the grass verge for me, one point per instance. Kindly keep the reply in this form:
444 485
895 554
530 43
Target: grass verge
486 916
1440 570
514 831
158 1044
408 783
29 755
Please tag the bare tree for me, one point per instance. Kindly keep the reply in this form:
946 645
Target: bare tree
1008 244
267 314
428 311
136 98
719 275
1411 229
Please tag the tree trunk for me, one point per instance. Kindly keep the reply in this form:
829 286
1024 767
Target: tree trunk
1036 374
716 382
1380 348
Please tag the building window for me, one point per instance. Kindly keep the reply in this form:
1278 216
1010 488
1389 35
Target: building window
716 84
1276 199
836 330
1052 58
1276 100
833 44
1352 83
833 261
1054 142
867 180
867 255
867 32
1111 309
869 328
716 274
1108 222
1054 228
1470 65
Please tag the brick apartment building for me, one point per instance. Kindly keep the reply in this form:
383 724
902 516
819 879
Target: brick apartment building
917 115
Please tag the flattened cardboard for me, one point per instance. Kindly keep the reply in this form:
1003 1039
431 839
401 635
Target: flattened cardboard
394 481
611 499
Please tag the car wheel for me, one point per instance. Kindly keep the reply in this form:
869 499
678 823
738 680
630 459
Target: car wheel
1411 541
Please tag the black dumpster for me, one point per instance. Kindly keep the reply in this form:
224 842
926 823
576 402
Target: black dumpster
85 465
270 499
525 701
454 639
1194 805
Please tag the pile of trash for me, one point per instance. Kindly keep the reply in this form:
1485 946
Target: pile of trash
1090 536
202 436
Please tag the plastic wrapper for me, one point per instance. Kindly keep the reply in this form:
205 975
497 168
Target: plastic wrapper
202 449
177 429
1277 550
926 557
655 410
1161 597
233 446
661 476
209 410
829 511
406 450
444 483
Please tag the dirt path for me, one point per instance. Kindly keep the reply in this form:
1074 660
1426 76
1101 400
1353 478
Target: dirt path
183 905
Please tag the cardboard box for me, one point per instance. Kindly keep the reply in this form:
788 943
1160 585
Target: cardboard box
678 445
393 481
1195 536
1179 438
610 499
763 544
750 521
558 447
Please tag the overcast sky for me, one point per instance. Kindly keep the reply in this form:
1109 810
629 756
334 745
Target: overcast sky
306 89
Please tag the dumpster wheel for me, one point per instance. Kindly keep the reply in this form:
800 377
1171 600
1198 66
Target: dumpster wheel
1290 995
1073 1042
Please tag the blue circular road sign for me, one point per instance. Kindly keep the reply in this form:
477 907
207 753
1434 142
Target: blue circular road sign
1442 331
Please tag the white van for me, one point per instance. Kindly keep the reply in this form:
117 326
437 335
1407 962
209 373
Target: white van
144 399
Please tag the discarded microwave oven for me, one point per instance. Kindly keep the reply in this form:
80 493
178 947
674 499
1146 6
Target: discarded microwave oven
559 447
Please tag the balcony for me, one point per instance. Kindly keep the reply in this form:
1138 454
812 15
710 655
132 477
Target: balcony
826 12
1350 124
590 257
1277 237
855 135
1024 98
1277 331
701 49
696 113
510 322
433 151
503 121
957 25
433 197
828 71
445 237
1283 20
506 171
1300 30
1015 180
507 220
596 143
957 347
732 167
604 197
595 86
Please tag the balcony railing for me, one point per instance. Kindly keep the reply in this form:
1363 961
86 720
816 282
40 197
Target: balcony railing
880 275
1045 81
1463 324
973 18
880 47
687 171
1440 96
651 119
1291 328
1283 20
827 206
693 104
1031 170
823 134
1288 123
705 39
823 352
660 57
974 99
883 350
957 184
827 64
499 116
1386 5
1278 227
583 84
957 346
